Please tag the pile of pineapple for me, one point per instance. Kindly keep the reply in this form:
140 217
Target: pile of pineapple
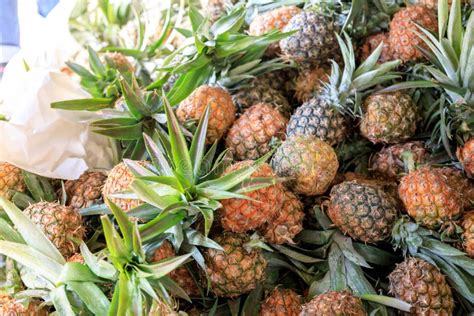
276 158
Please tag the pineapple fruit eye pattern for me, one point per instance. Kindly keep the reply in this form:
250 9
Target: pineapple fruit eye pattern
285 158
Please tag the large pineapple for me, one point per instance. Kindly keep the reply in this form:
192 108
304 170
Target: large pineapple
314 41
180 275
389 118
281 302
309 163
61 224
287 222
334 303
404 41
468 234
250 135
310 81
465 155
85 191
222 110
429 197
271 20
11 180
241 215
421 284
369 45
363 211
235 270
11 307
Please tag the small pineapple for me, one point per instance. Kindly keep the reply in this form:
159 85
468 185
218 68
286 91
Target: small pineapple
281 302
309 163
465 155
180 275
61 224
240 215
334 303
363 211
11 180
309 81
389 118
388 163
404 41
421 284
11 307
429 197
314 42
222 110
287 223
468 235
119 62
371 42
237 269
85 191
275 19
250 135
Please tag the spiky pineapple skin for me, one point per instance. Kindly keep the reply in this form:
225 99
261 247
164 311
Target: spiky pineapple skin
421 284
180 275
10 307
389 118
281 302
118 181
364 212
333 303
85 191
371 43
402 36
468 234
310 81
287 223
222 110
457 181
429 198
61 224
236 270
309 163
240 215
314 42
268 21
250 135
465 156
388 162
11 180
320 118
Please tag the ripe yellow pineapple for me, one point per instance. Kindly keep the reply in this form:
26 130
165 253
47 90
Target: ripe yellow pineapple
468 234
222 110
371 43
61 224
10 307
421 284
309 81
11 180
334 303
250 135
465 155
281 302
240 215
85 191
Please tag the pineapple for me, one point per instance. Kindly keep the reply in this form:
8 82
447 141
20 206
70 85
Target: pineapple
468 235
222 110
118 181
235 270
421 284
281 302
334 303
250 135
309 81
465 155
371 42
119 62
287 223
309 163
275 19
363 211
314 41
61 224
241 215
180 275
429 198
11 180
388 163
11 307
281 80
389 118
85 191
404 41
457 181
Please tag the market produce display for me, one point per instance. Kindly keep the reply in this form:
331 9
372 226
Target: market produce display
291 157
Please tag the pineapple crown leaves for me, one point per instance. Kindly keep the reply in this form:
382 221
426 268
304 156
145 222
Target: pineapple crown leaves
39 189
256 7
28 245
345 85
